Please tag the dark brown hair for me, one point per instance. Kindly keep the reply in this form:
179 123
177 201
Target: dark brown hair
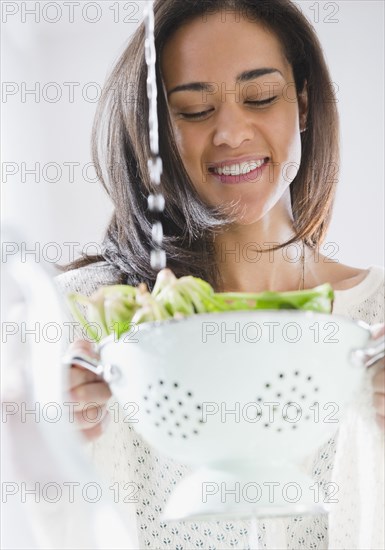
120 148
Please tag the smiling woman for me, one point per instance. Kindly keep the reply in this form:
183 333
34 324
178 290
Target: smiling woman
249 126
237 127
249 138
276 59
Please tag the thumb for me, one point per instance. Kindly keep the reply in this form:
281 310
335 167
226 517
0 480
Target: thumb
377 330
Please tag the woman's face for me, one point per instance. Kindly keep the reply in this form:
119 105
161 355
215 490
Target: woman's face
234 149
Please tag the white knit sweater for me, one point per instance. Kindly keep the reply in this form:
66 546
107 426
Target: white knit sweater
353 459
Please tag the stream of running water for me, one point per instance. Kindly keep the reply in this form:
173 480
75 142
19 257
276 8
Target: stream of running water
156 201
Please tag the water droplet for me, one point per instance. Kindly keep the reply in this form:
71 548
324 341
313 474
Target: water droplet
157 233
155 169
158 259
156 203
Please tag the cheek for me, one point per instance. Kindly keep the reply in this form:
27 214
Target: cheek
179 139
293 156
189 147
287 137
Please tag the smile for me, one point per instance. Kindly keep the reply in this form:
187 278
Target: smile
238 169
242 172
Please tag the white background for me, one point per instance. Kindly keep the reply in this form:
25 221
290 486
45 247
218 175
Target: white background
35 130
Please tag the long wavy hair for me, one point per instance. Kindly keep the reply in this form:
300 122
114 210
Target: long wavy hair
120 148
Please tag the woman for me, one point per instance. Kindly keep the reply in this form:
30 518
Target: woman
249 143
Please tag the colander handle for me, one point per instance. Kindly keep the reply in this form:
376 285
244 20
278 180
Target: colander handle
109 373
373 352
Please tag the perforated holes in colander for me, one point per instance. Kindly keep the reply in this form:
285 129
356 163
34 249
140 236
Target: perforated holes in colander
297 385
173 409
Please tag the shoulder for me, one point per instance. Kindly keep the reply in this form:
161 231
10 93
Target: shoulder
342 276
358 293
369 280
87 279
348 277
364 300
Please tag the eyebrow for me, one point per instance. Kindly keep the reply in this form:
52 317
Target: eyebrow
245 76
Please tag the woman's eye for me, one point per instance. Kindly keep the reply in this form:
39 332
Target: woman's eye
263 101
201 114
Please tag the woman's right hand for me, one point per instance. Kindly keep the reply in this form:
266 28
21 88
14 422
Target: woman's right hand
90 394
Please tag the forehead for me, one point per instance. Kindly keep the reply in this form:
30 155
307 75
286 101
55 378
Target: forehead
215 47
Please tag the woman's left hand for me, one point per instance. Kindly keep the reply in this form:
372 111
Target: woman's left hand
378 382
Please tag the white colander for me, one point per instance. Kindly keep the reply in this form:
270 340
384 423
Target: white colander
243 398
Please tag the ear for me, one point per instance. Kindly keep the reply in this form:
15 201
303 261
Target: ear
303 108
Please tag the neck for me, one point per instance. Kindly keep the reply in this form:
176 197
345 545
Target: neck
246 262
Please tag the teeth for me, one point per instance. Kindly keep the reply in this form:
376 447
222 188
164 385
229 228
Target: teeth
238 169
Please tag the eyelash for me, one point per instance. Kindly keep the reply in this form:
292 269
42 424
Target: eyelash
202 113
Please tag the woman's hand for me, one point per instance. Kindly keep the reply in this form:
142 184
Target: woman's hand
90 394
378 382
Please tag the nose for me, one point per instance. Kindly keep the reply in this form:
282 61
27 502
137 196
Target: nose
233 126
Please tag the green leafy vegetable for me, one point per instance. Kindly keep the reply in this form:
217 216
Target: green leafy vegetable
115 308
187 295
315 299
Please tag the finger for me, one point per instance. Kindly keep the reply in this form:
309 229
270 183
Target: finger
90 416
380 420
84 348
79 375
378 381
98 430
377 330
96 392
379 403
379 364
84 345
